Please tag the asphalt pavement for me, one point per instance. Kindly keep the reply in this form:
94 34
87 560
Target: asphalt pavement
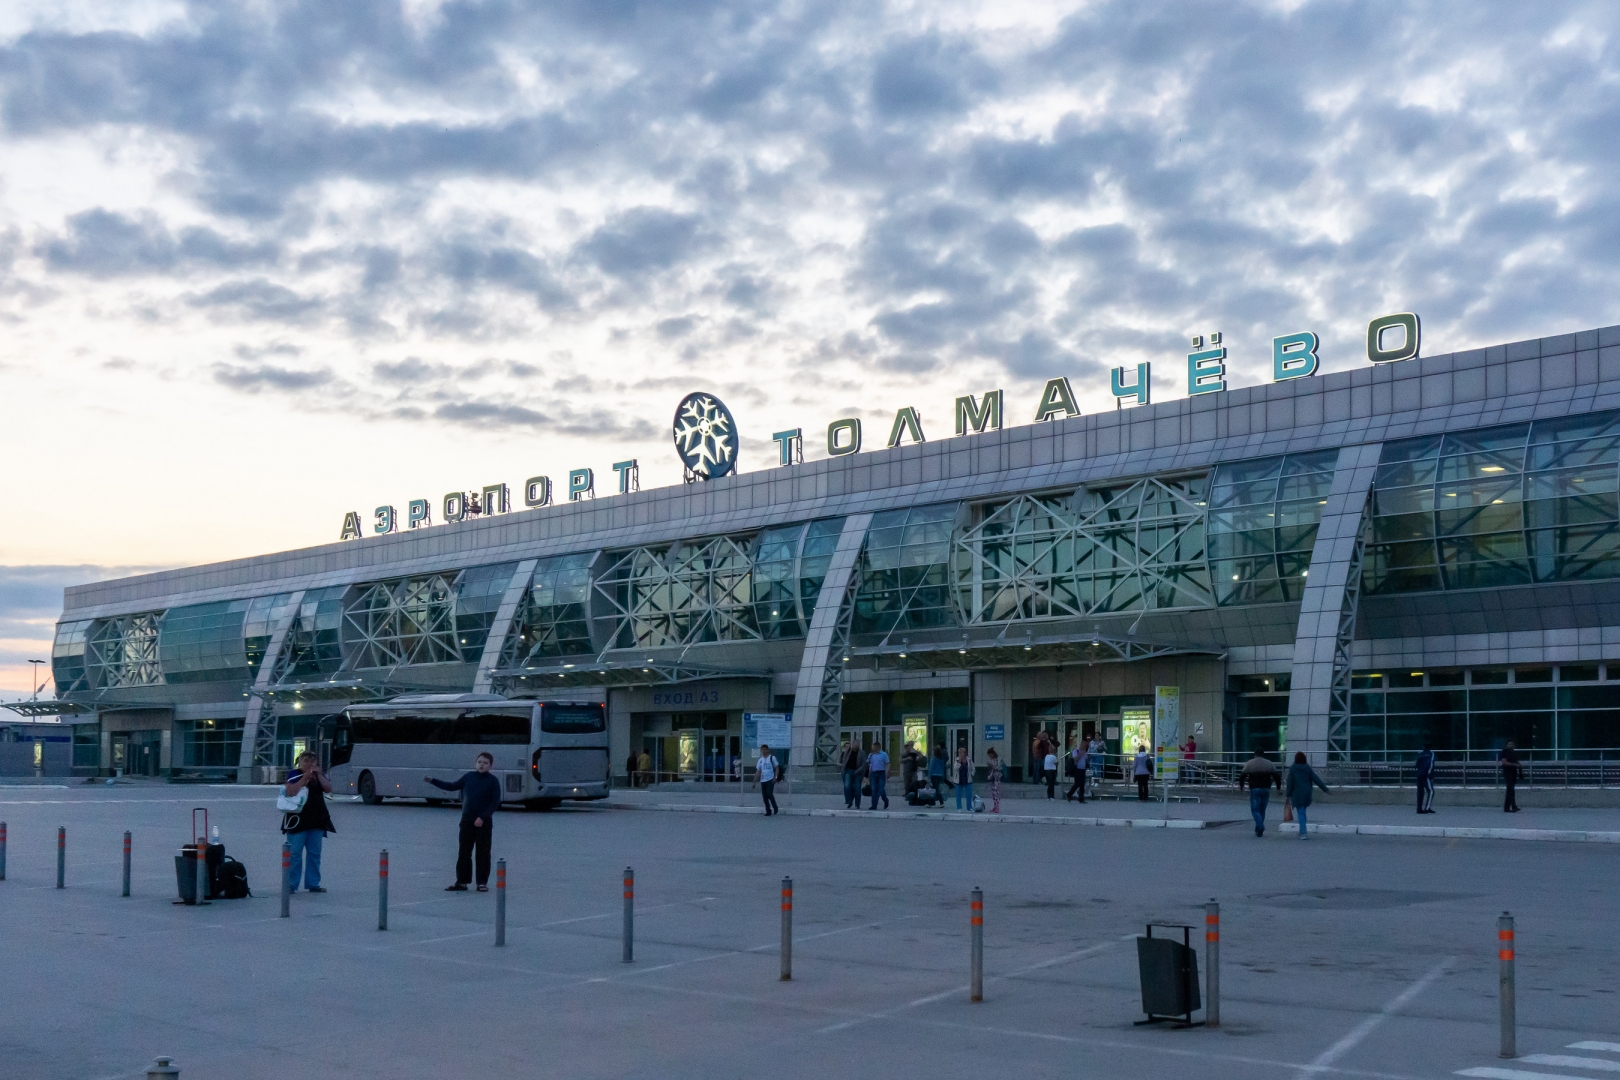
1347 956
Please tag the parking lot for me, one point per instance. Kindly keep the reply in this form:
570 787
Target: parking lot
1347 955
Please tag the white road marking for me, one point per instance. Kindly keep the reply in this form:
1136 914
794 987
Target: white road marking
1367 1026
1613 1048
1078 954
1570 1061
1488 1072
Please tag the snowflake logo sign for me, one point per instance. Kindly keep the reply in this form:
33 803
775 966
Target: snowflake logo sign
705 436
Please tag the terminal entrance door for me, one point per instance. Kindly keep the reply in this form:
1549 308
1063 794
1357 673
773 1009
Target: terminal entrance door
954 737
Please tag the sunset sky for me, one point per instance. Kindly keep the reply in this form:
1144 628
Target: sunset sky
265 263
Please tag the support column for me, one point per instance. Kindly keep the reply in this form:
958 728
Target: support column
259 731
501 628
817 700
1319 699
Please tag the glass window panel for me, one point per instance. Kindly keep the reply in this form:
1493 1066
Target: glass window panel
1488 465
1407 733
1591 551
1404 500
1403 527
1588 510
1410 450
1527 730
1532 675
1445 678
1599 729
1400 474
1569 673
1510 698
1416 701
1506 437
1495 518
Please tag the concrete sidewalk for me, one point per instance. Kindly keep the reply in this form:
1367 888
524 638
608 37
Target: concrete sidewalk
1568 824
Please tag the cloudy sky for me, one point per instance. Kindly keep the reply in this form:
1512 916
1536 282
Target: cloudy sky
263 263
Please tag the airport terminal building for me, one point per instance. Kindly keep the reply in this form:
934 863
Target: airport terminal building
1350 564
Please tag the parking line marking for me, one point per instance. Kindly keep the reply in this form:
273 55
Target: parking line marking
1570 1061
1488 1072
1590 1044
1367 1026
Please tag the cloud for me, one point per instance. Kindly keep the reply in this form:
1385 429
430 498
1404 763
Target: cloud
251 378
641 241
259 299
103 244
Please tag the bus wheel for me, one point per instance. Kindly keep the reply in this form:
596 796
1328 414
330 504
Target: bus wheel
435 802
542 804
368 790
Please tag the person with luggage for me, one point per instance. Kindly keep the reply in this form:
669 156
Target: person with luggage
1425 780
768 769
307 829
1079 765
877 767
849 762
1142 772
992 773
912 765
964 779
1259 775
1298 790
480 798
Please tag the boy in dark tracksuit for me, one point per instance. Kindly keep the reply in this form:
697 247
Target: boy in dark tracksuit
480 798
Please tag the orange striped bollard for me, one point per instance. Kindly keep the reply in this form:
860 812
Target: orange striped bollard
382 889
629 914
1212 964
1504 955
500 902
977 925
787 929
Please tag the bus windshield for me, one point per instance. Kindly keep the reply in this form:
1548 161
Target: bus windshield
585 719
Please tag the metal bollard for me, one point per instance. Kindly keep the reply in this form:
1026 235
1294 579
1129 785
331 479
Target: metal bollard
126 862
787 929
2 851
629 914
977 924
382 889
1212 964
162 1069
1504 954
286 879
61 857
500 902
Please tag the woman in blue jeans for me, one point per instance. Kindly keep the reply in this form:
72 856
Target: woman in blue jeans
306 829
964 779
1300 778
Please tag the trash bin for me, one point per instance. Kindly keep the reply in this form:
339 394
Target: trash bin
1169 971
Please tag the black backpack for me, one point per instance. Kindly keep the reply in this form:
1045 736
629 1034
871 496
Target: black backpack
233 883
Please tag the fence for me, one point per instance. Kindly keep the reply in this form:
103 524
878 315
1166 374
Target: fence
1598 768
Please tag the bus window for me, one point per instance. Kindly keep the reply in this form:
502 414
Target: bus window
402 729
342 741
492 729
573 719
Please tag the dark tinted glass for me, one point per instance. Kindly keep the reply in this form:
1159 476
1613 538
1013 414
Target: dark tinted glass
492 728
573 719
401 729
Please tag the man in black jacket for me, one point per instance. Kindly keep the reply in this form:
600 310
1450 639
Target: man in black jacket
480 798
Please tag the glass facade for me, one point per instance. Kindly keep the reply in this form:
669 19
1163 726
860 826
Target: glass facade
553 619
264 614
1508 505
406 621
68 667
479 592
681 594
211 744
123 651
203 643
314 646
905 576
1263 517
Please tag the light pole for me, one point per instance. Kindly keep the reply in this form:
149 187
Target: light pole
36 664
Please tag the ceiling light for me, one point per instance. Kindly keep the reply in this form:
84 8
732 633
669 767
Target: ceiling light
1491 468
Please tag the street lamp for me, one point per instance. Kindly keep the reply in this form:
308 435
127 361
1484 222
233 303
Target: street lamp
36 664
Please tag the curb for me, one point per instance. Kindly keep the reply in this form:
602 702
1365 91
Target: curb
1433 831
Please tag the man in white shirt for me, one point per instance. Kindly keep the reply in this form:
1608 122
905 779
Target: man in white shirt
769 770
877 765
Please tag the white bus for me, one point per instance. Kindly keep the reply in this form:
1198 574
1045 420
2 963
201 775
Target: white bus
545 751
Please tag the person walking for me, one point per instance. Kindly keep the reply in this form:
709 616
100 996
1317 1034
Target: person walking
1079 765
630 769
877 766
1259 775
1049 768
964 779
1508 760
480 798
307 829
1425 780
1098 752
1298 790
769 769
937 768
1142 772
1037 754
849 762
644 767
992 773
